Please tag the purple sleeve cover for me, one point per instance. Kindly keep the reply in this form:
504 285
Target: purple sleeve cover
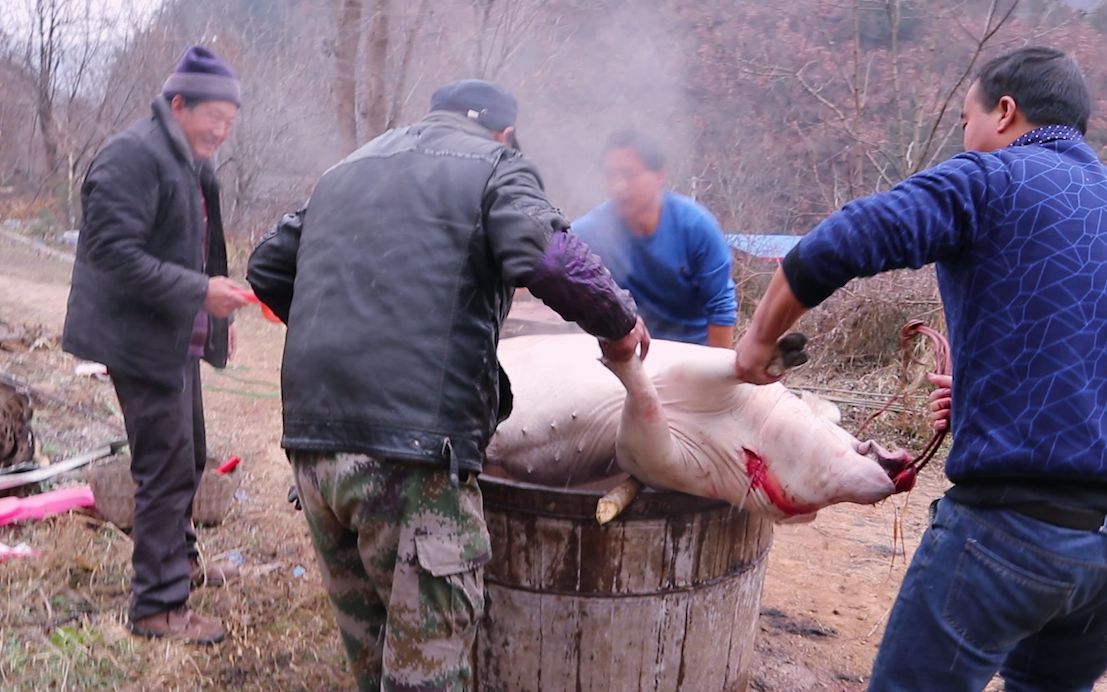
576 285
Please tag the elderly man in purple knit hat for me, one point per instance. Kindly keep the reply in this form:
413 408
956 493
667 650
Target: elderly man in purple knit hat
150 298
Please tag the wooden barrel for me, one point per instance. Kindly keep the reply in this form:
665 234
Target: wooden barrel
666 597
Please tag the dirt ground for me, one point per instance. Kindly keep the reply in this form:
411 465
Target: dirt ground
826 597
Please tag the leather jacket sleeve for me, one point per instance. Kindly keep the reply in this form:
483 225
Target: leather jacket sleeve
518 218
530 243
271 271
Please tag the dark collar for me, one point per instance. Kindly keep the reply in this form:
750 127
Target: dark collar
1049 133
458 120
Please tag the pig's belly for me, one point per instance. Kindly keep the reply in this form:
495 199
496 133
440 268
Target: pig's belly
566 413
567 408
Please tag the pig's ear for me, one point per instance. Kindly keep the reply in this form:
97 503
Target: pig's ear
821 407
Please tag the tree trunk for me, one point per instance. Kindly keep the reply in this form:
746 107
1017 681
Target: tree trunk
399 95
48 20
345 83
48 128
376 69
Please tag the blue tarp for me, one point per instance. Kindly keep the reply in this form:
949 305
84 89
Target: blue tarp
764 245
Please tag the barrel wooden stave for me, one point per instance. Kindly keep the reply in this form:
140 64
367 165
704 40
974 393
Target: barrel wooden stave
664 598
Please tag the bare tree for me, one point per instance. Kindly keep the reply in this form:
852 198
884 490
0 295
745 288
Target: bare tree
391 36
503 27
877 82
930 128
774 113
285 132
388 64
90 101
345 81
16 119
920 106
376 98
64 57
43 50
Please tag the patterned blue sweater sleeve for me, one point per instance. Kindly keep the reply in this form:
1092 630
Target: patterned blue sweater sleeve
924 219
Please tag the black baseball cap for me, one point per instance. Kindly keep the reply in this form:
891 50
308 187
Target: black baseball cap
489 104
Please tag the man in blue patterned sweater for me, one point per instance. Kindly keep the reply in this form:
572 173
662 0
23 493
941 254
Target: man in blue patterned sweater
1012 574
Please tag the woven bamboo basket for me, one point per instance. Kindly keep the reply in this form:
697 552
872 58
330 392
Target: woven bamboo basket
114 491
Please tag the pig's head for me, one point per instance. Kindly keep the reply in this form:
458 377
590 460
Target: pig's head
693 427
798 460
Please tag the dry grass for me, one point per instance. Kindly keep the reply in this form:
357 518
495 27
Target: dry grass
63 618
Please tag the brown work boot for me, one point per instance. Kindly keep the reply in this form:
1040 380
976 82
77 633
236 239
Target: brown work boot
182 624
214 573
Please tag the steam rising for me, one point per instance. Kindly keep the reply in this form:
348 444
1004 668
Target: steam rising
625 69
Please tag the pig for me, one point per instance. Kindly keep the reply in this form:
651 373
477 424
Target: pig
679 420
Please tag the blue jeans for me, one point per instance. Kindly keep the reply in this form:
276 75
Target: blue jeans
993 590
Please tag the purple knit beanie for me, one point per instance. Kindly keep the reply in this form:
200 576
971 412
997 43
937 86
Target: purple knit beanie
200 74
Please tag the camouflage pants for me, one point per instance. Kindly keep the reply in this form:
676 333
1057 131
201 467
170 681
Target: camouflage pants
401 554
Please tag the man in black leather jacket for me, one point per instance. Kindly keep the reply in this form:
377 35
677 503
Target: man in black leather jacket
394 282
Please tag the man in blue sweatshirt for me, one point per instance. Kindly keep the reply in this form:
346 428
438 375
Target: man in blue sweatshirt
1011 575
662 247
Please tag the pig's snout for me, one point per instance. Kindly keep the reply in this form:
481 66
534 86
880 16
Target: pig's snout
898 464
866 484
867 480
894 462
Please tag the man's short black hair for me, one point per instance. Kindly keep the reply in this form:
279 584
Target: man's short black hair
646 149
1046 84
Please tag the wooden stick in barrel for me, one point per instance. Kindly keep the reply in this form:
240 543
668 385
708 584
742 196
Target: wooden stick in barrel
617 499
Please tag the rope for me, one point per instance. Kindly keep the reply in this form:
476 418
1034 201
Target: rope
904 478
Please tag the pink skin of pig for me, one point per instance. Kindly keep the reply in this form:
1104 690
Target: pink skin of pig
679 420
